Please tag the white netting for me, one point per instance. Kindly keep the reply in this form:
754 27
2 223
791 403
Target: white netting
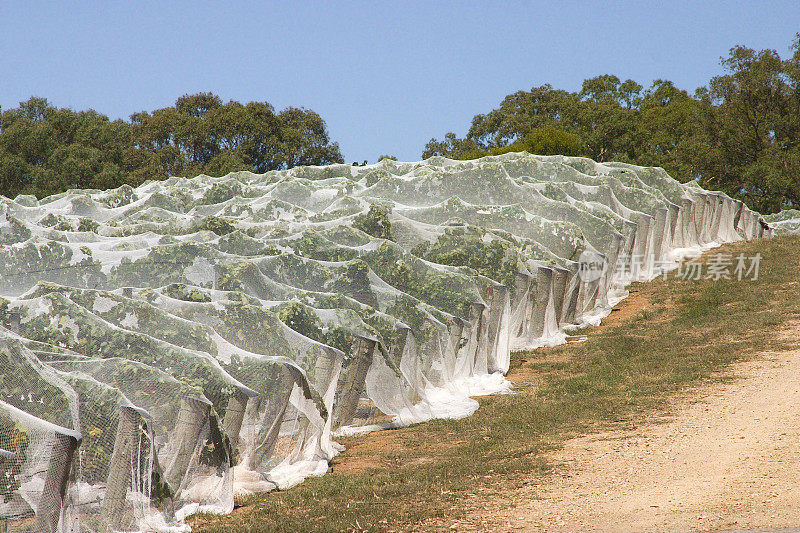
786 222
166 347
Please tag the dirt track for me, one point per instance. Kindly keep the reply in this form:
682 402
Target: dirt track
727 457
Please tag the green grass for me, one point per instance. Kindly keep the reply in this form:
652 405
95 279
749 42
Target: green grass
687 334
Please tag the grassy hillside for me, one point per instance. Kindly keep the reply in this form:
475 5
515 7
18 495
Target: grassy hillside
669 336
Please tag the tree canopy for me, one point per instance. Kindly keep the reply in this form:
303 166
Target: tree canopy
45 150
740 133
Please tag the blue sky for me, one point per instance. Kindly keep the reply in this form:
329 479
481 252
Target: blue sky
386 76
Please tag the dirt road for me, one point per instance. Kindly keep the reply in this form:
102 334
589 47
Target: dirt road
727 457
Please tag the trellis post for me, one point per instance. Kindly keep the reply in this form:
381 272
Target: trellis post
55 484
570 305
641 243
352 384
499 298
191 419
674 212
456 330
660 231
687 229
560 280
478 333
274 413
544 295
120 468
234 417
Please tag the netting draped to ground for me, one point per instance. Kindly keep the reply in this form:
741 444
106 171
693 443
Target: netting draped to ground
166 347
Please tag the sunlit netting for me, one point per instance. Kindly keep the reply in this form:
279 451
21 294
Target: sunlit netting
168 347
786 222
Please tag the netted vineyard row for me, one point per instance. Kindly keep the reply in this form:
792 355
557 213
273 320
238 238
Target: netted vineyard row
167 347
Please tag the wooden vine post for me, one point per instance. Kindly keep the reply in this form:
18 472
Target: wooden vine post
55 485
120 468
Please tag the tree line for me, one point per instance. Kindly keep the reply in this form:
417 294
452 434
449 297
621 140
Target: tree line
45 149
740 133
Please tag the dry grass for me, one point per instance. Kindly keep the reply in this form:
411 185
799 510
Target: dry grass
681 334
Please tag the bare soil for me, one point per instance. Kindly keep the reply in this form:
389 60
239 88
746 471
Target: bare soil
725 456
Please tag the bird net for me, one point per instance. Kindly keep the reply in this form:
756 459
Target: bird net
786 222
167 347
